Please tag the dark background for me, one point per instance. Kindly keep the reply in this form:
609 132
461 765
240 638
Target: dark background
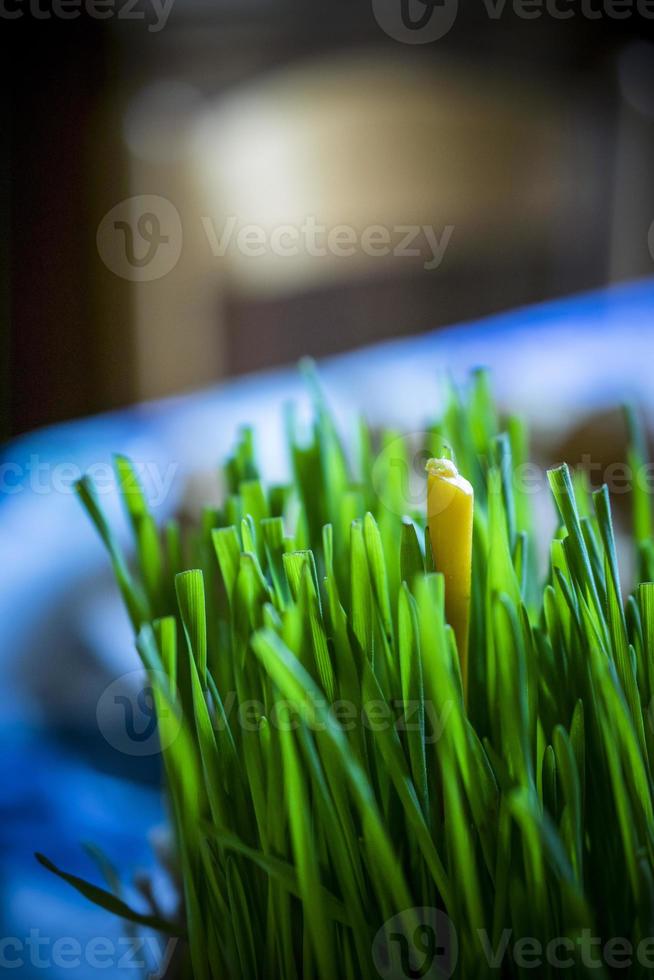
69 325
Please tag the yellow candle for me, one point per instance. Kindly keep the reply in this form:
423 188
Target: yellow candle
450 501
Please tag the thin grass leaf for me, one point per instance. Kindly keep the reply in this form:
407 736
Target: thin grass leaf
106 900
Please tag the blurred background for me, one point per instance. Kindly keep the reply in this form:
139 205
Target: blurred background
523 141
196 193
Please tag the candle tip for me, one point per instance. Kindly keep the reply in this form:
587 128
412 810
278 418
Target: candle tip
441 467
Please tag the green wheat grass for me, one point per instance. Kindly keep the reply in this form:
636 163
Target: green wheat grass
361 786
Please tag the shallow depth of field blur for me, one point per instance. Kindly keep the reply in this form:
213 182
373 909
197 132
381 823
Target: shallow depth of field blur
199 193
524 144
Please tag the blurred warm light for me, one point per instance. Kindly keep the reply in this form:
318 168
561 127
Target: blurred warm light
357 141
371 140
